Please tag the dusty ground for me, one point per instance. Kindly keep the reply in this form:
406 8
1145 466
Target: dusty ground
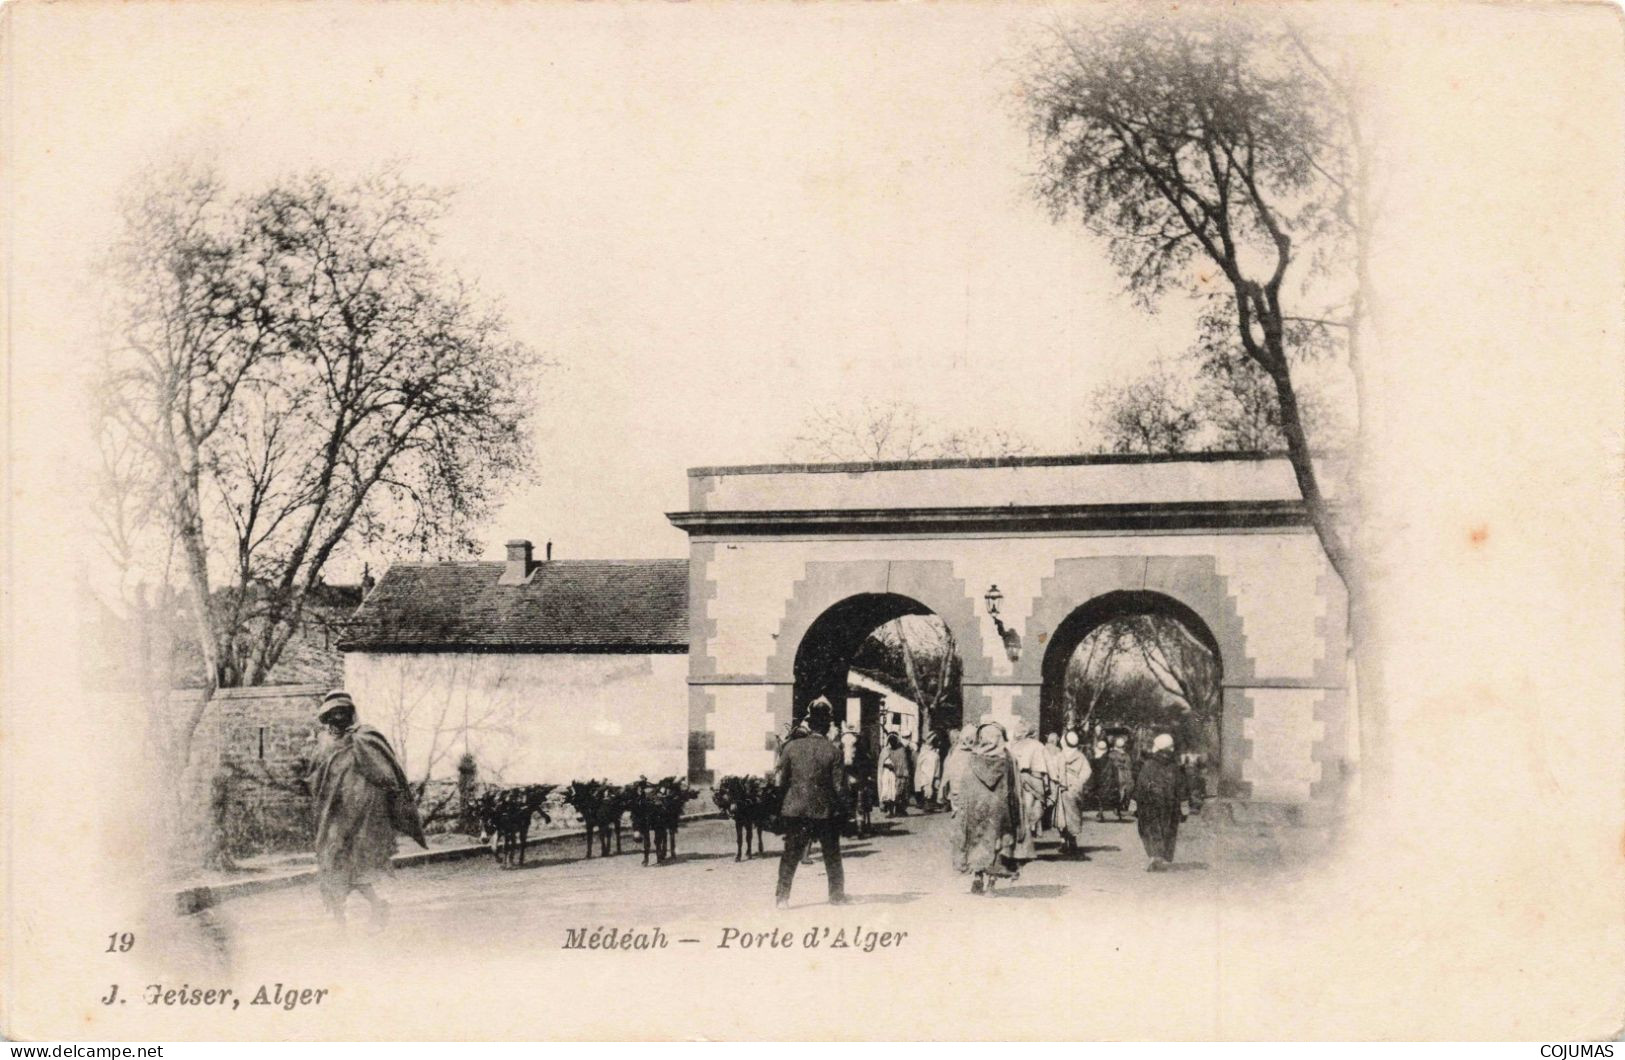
704 888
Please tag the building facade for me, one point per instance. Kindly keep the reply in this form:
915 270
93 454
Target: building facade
550 671
791 564
544 671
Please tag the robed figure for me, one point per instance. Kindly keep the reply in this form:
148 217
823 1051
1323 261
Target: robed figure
1160 793
953 766
1114 780
927 772
987 810
362 799
895 777
1072 784
1033 783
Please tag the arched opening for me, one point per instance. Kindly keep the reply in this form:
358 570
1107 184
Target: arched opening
886 663
1135 664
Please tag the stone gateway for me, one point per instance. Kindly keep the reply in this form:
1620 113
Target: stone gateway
791 565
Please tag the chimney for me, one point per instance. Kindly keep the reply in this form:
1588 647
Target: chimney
550 552
517 572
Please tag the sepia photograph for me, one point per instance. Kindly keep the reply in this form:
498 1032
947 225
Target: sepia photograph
813 521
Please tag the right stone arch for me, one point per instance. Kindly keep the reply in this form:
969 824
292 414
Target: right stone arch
1188 587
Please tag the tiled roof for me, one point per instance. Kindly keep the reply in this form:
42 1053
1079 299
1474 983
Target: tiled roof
566 605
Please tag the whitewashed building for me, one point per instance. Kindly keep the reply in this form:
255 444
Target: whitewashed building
545 671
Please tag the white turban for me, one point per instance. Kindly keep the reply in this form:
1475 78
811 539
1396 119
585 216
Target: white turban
1163 742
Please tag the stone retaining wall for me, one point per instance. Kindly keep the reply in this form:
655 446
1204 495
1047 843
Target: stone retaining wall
242 784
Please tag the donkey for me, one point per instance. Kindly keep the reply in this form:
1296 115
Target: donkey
600 805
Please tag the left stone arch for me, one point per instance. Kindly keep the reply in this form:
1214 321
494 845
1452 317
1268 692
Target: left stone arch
826 583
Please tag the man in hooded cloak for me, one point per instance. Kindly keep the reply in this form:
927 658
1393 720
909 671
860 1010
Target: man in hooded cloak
987 810
361 799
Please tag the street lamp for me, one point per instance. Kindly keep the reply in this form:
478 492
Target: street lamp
1012 640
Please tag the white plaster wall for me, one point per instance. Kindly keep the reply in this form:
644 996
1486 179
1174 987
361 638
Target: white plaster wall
1274 576
741 723
1283 731
1276 583
531 718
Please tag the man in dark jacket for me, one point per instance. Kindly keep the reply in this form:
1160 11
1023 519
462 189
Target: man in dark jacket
812 776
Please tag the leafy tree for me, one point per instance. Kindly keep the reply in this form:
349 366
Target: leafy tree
1182 666
1091 673
1224 157
1144 671
1195 145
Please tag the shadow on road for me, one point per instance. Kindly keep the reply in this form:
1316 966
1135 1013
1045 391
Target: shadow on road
1080 856
1032 890
678 859
1187 866
885 899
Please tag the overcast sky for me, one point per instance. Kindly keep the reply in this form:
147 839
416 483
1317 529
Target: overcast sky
711 229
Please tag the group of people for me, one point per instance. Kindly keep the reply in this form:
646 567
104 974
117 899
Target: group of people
1003 788
904 776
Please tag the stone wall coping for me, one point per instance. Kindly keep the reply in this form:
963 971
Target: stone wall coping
261 691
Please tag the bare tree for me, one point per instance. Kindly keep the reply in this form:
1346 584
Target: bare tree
1222 156
1151 414
874 430
895 430
435 708
1091 673
974 443
1229 406
921 650
290 374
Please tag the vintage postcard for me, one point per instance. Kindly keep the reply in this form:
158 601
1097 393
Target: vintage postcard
813 521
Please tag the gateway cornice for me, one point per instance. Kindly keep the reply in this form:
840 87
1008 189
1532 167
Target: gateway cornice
1194 515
